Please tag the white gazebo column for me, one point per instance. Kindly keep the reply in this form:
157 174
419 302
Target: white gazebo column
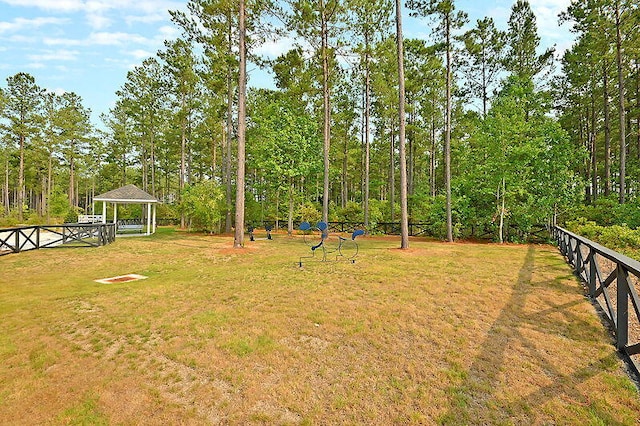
104 212
154 218
115 214
148 218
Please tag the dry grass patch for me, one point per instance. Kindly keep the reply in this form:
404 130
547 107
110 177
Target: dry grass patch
442 334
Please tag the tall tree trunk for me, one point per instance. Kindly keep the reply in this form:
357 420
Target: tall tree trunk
367 143
49 177
6 200
392 172
485 95
290 215
447 134
153 164
404 219
501 207
227 225
637 63
326 135
345 166
594 163
183 153
410 148
238 239
607 127
623 130
20 194
432 164
72 180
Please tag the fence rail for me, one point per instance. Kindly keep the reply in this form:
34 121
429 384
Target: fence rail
612 280
15 240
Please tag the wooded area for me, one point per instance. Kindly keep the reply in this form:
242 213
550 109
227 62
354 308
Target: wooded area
498 133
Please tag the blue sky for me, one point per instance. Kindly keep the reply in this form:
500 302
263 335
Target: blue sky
87 46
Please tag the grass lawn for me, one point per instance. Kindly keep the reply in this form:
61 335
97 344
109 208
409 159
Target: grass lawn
439 334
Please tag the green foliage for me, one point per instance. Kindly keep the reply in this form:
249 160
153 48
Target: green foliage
203 204
432 210
59 205
167 211
607 211
615 237
253 212
309 212
518 157
351 212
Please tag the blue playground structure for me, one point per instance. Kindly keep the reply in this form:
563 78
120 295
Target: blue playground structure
322 242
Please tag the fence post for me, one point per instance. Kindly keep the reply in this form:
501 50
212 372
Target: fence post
622 315
579 263
16 246
591 282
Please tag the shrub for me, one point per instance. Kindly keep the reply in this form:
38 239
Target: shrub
203 203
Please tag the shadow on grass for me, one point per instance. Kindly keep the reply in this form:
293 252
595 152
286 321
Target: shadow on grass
476 396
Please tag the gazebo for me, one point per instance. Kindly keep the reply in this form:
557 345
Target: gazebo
129 194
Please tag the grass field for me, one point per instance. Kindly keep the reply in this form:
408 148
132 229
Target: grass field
439 334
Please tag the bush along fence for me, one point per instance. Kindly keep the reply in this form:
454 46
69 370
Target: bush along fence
15 240
612 280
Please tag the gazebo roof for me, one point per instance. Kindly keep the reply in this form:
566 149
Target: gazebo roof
126 194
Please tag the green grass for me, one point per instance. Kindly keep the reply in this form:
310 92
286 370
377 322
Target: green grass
438 334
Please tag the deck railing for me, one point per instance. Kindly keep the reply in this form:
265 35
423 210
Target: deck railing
15 240
611 280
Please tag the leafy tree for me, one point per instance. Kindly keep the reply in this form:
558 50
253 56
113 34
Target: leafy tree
316 21
179 66
520 161
283 142
484 48
23 99
448 21
203 204
370 21
522 58
75 133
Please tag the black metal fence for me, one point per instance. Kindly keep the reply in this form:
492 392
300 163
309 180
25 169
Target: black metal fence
15 240
612 280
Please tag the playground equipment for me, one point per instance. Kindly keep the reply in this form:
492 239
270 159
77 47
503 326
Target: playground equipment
344 248
252 236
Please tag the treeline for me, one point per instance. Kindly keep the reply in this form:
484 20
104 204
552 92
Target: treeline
521 141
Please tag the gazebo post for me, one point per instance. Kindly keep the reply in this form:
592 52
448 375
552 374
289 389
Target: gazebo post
104 212
115 214
148 218
154 219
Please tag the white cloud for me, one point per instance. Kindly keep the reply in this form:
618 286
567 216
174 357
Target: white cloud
49 5
58 91
19 24
22 39
98 22
140 54
100 39
168 32
55 55
144 19
274 48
